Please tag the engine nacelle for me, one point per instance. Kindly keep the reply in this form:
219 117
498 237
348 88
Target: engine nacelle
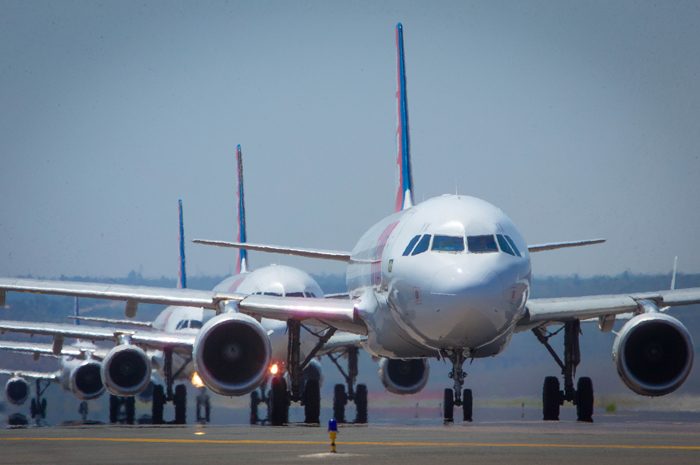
17 390
404 376
86 380
126 370
231 354
653 354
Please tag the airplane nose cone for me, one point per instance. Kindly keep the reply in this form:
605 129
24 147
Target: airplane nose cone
458 280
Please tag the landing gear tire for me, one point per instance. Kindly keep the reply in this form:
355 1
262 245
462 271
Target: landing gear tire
279 403
584 404
449 405
467 402
33 410
254 401
130 408
158 404
180 402
340 399
551 399
361 404
312 404
113 409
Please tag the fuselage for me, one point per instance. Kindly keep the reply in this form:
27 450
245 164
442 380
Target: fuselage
450 273
276 280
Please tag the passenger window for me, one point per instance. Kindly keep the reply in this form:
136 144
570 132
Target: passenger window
512 244
410 246
276 294
503 244
294 294
311 295
482 244
448 243
422 245
196 324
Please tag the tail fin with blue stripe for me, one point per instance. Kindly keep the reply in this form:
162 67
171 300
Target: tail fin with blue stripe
242 263
182 276
404 176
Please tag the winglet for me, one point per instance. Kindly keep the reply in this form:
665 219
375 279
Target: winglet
182 276
242 264
404 176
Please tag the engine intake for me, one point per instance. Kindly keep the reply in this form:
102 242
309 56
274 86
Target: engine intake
17 390
404 376
126 370
231 354
86 380
653 354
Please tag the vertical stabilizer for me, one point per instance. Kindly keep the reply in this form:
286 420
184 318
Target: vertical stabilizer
182 276
242 263
404 176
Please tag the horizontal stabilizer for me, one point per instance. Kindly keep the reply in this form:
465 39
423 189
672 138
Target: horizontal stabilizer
322 254
562 245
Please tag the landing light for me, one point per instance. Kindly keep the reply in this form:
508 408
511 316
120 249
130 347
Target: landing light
197 381
274 369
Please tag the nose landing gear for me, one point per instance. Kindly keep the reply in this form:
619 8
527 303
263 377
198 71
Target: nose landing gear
552 397
457 397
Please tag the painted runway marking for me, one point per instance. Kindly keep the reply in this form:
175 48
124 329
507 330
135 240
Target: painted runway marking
360 443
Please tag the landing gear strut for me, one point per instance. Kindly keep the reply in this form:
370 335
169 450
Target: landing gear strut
357 395
457 397
178 397
37 407
582 395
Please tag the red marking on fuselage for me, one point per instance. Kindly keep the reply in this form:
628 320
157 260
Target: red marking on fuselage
235 285
376 272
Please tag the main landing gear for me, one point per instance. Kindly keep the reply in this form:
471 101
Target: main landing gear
178 398
552 396
37 408
357 395
457 397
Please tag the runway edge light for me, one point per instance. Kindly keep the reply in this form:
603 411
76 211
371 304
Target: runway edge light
333 431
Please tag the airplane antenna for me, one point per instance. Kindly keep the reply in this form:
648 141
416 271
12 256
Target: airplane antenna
673 276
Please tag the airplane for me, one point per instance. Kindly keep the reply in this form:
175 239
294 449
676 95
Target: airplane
448 278
126 368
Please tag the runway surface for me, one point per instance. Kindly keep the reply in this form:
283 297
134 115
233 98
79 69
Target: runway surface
568 443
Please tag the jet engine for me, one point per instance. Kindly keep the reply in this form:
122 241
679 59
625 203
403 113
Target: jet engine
126 370
17 390
404 376
653 354
85 380
231 354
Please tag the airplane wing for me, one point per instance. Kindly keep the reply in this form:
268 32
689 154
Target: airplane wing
131 294
46 350
112 321
542 312
310 253
562 245
31 375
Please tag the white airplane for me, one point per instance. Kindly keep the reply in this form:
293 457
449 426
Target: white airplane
127 367
448 278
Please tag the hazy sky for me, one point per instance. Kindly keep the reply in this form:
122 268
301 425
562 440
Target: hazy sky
578 119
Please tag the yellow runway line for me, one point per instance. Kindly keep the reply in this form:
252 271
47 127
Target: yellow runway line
361 443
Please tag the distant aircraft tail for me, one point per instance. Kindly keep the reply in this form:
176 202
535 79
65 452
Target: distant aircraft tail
404 176
242 263
182 275
76 312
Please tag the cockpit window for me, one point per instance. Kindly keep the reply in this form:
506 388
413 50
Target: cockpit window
422 245
482 244
294 294
512 244
503 244
310 295
196 324
448 243
410 246
181 324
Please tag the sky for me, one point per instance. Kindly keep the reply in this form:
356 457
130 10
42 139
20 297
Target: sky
579 120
